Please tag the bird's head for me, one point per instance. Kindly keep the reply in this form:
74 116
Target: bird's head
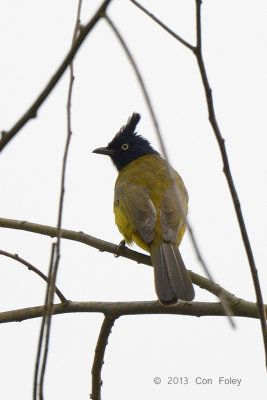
127 145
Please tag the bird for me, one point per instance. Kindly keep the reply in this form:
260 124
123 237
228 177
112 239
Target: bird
146 209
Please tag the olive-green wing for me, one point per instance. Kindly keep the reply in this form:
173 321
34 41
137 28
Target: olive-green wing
171 217
136 205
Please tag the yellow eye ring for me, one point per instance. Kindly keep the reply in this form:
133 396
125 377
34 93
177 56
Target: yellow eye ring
125 146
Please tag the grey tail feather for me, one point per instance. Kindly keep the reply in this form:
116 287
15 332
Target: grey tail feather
172 281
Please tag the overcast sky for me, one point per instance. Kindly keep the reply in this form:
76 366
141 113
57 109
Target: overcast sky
35 36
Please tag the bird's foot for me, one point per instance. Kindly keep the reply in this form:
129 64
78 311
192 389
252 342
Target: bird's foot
120 247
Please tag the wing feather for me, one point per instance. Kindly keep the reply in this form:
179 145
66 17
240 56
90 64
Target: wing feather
136 205
171 218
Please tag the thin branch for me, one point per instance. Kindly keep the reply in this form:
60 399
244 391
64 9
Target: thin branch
100 349
240 307
63 173
102 246
55 263
226 166
196 248
41 336
229 178
31 267
81 237
32 111
165 27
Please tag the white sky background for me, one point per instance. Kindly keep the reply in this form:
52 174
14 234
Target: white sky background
35 36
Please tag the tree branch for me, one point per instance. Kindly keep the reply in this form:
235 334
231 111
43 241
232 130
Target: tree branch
35 270
81 237
229 178
55 260
32 111
101 345
226 166
102 246
241 308
42 348
165 27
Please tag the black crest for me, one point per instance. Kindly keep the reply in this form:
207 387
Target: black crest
129 128
127 145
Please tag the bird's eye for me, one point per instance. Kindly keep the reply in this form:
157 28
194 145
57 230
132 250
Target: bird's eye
125 146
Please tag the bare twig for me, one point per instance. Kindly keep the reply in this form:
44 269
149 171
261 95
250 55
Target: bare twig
102 246
41 336
55 263
31 267
32 111
100 349
47 318
63 173
81 237
226 307
241 308
229 178
165 27
226 167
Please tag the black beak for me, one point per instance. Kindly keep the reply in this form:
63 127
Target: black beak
104 150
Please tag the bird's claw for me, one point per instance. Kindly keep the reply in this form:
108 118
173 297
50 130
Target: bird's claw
120 247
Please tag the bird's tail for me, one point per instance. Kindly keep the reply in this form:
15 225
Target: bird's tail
172 281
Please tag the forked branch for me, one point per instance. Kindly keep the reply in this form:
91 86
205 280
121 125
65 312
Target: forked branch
35 270
240 307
